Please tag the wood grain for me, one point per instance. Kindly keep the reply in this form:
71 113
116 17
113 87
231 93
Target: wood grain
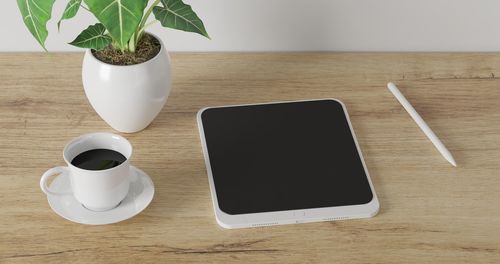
430 211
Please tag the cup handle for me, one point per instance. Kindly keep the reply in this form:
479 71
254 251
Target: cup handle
47 175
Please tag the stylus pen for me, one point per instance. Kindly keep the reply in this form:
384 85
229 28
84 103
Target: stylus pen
421 123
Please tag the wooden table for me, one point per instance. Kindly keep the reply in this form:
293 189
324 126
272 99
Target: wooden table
430 211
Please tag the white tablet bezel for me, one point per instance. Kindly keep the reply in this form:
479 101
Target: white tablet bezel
290 216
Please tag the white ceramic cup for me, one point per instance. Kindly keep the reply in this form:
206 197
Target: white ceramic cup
97 190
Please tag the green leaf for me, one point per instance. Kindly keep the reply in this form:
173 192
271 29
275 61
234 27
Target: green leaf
93 37
35 14
70 11
177 15
120 17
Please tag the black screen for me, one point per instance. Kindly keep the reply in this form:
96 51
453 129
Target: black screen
284 156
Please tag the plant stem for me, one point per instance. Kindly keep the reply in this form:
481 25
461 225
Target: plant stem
150 23
145 26
140 28
132 43
147 14
82 6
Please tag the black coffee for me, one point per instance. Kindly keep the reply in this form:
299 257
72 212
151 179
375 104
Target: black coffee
98 159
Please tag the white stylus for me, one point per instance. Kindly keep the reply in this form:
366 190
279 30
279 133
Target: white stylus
421 123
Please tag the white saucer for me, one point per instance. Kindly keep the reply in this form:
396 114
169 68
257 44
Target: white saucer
138 198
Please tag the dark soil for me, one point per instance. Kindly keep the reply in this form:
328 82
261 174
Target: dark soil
146 49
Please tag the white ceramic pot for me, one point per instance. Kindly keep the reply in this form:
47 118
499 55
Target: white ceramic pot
128 97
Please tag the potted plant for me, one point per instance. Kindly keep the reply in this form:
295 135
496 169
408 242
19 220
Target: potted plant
126 71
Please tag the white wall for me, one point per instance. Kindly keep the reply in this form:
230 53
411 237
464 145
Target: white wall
298 25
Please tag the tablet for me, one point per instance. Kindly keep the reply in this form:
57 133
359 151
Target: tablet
283 163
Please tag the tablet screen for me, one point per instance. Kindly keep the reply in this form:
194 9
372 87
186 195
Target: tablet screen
283 156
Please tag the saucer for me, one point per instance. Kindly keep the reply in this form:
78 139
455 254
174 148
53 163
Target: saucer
140 194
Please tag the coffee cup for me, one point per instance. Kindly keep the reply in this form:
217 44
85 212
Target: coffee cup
97 189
